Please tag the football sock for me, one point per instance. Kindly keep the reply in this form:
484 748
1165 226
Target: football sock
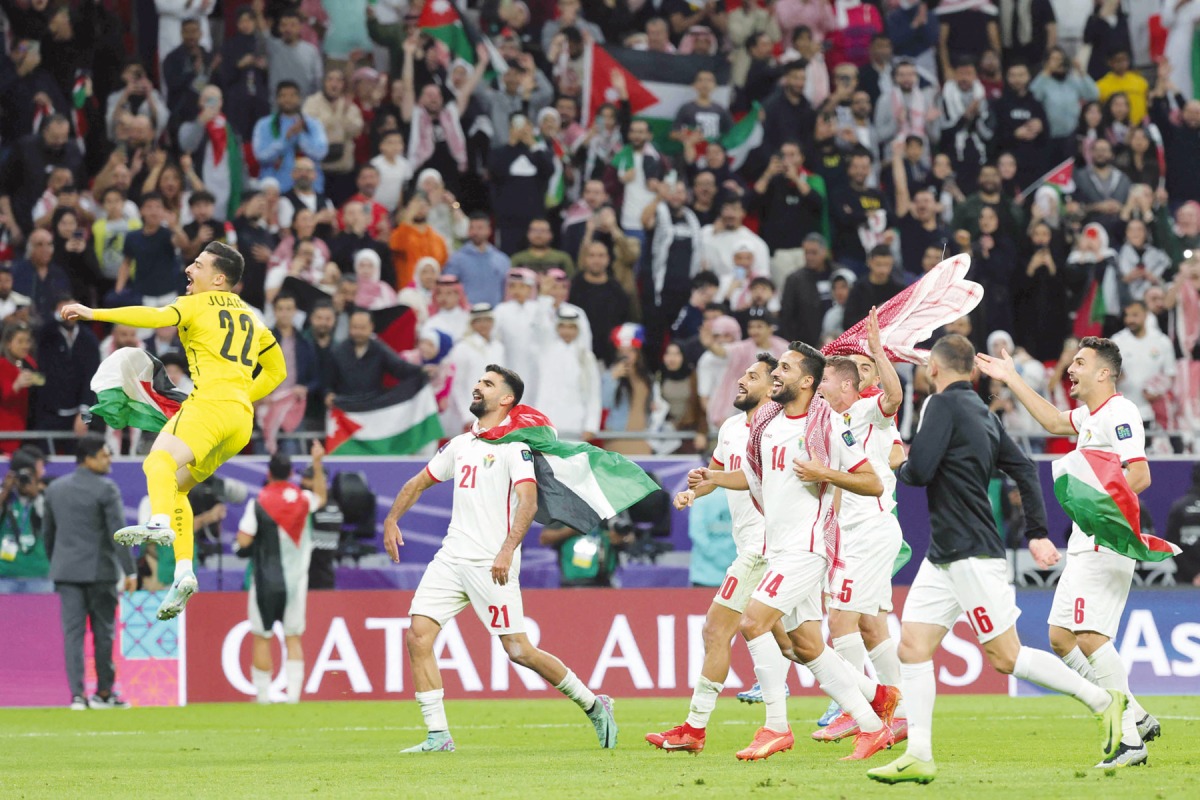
183 522
704 700
1110 674
1077 661
182 567
771 671
837 680
851 648
919 687
887 667
433 710
1049 672
574 688
161 483
262 683
295 679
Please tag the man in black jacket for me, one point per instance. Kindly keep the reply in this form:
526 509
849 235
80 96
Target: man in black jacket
1183 529
360 362
68 355
519 172
1021 125
958 446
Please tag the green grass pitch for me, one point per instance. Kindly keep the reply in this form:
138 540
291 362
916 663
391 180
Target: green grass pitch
1029 748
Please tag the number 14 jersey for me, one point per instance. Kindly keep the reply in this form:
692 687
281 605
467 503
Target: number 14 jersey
222 339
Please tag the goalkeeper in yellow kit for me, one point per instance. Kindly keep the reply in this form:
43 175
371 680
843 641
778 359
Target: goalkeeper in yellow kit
234 361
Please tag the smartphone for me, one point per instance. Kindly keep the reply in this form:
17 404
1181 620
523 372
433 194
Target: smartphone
35 46
37 379
518 121
77 235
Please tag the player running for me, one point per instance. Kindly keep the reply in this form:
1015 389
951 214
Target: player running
495 498
749 534
795 472
958 446
1094 585
861 592
225 344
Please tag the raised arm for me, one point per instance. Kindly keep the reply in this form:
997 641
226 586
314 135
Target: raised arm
135 316
1004 370
889 380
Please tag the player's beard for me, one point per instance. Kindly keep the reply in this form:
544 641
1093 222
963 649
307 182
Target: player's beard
786 394
478 408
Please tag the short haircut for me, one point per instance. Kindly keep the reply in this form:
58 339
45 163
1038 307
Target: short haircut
767 358
228 261
763 281
89 446
149 196
811 360
705 278
700 72
287 296
104 195
320 304
845 368
287 84
201 197
511 379
799 65
731 200
955 352
1133 303
880 251
480 215
293 12
1106 350
280 466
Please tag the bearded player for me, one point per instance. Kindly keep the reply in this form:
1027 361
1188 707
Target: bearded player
234 362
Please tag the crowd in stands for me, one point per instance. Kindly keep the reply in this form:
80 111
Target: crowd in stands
626 272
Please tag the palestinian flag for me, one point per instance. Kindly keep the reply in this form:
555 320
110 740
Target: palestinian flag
744 137
1091 487
658 84
578 485
395 422
133 391
441 20
395 326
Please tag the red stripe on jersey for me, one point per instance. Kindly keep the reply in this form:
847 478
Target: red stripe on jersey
720 464
432 477
1135 459
856 466
812 535
1071 419
525 480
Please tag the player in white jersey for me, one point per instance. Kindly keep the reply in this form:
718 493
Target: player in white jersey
860 595
796 499
749 534
495 499
1094 585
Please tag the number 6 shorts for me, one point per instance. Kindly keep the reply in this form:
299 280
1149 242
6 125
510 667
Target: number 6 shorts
448 586
1092 591
978 587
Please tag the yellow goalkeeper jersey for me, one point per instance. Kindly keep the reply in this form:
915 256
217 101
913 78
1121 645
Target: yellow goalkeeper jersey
223 340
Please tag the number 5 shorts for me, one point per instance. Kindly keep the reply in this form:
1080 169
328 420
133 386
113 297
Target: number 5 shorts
1092 591
214 430
448 586
977 586
740 579
869 553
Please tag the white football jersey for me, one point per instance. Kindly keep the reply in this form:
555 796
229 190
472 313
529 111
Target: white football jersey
749 527
485 478
793 508
1114 427
869 427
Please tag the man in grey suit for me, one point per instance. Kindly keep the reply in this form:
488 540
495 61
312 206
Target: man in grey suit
82 511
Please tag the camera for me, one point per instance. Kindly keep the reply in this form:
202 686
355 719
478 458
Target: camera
25 476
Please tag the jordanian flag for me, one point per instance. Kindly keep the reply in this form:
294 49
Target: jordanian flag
578 485
658 84
440 19
1091 487
396 422
133 391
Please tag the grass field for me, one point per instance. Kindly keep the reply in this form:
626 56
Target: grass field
1031 749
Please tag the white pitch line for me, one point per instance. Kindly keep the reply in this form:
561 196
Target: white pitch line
345 729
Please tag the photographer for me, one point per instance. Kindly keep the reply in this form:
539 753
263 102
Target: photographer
586 559
24 565
82 510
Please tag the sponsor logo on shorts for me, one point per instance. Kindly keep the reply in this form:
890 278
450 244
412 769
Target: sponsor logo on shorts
1124 432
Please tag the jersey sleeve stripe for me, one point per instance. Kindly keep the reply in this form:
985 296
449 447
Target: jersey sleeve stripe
268 347
178 316
1135 459
718 462
525 480
433 477
856 466
1071 419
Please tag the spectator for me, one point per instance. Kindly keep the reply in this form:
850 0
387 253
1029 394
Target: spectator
342 122
23 175
355 236
31 91
715 335
720 241
1147 365
833 323
394 170
186 70
480 267
967 123
256 242
373 292
291 59
1179 18
875 77
1183 529
540 256
450 312
1028 31
70 355
1139 159
469 357
74 252
322 320
1021 125
414 238
284 409
519 171
790 202
446 215
435 138
627 392
640 168
994 266
906 109
1181 140
139 98
917 218
1039 297
1121 78
202 229
761 72
817 15
787 114
282 138
710 530
211 139
242 75
702 116
1107 32
738 355
418 295
989 193
1092 274
40 275
151 266
524 90
1100 188
568 388
520 325
676 385
11 301
300 254
748 21
18 372
914 31
379 219
584 559
24 563
555 288
859 213
806 294
1062 88
82 510
879 287
673 263
360 362
601 297
966 30
1142 264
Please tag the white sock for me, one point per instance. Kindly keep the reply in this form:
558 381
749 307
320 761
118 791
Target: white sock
159 521
704 700
1049 672
887 667
771 670
1110 674
1077 661
851 648
262 683
295 678
837 680
433 710
867 686
919 687
183 567
574 688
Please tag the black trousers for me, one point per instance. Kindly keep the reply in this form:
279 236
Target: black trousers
81 603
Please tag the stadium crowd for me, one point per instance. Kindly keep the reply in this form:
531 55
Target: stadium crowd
358 152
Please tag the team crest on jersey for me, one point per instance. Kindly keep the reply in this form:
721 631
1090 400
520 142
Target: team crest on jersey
848 438
1124 432
846 417
488 460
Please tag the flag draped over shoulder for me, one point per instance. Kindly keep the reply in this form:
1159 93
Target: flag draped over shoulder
396 422
1091 487
133 391
579 485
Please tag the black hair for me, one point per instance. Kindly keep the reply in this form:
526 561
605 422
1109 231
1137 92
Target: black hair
811 360
731 200
228 261
321 304
178 359
511 379
201 197
705 278
287 296
364 167
88 446
291 11
1133 303
483 215
286 84
955 352
280 466
799 29
912 138
799 64
880 251
767 358
763 281
1107 351
148 196
109 191
571 34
